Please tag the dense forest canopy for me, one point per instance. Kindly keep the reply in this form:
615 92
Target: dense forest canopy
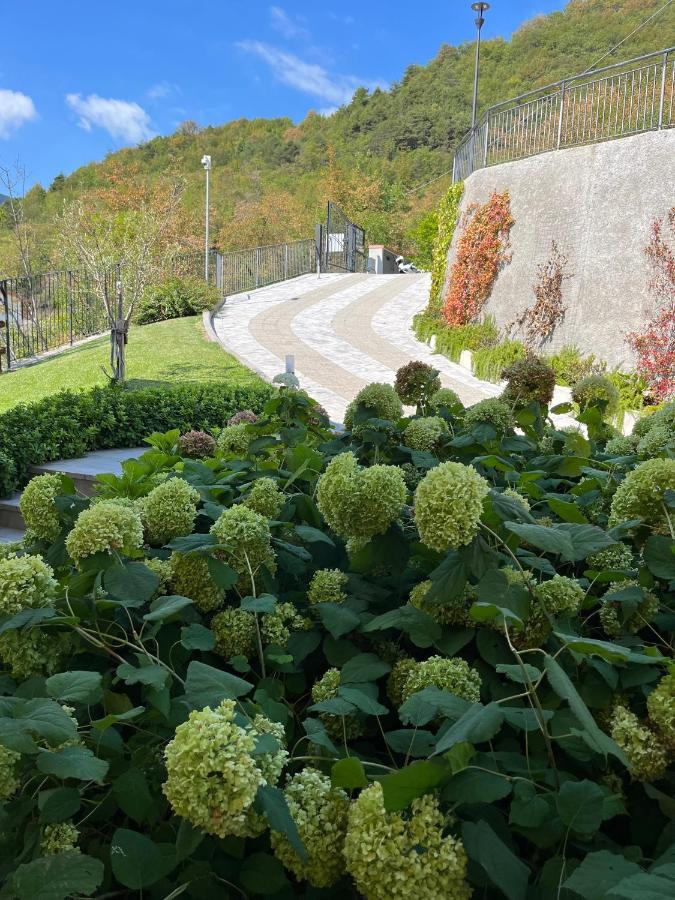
271 177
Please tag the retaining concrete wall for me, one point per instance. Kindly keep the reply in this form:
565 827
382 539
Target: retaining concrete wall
598 203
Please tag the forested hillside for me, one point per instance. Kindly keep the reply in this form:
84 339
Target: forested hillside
271 176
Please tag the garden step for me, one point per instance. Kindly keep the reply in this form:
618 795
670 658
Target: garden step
10 514
84 469
10 535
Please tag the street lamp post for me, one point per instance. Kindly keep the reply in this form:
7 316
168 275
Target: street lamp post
479 8
206 162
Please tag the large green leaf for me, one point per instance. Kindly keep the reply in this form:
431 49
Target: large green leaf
75 687
546 539
206 686
72 762
337 619
475 786
133 796
504 869
568 512
56 877
137 862
421 627
363 701
271 802
36 719
400 788
58 804
348 773
197 637
262 874
579 806
479 723
164 607
528 808
645 886
448 579
363 667
132 583
659 555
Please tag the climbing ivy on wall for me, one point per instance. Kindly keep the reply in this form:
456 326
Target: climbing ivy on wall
482 249
448 213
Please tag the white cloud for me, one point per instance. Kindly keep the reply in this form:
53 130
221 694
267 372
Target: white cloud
309 78
283 23
15 109
160 90
126 121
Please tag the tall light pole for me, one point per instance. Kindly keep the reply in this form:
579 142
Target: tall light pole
480 8
206 162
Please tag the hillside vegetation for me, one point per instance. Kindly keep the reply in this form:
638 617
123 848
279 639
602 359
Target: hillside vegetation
271 177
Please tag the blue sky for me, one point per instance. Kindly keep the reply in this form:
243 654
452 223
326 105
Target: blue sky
79 79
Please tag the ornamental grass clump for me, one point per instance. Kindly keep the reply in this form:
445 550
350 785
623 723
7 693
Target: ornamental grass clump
528 380
196 445
492 412
396 856
380 401
320 812
247 537
327 586
416 382
105 527
424 434
213 775
360 503
168 511
596 390
265 498
641 495
448 505
38 507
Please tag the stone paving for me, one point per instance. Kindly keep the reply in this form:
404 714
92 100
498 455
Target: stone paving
344 331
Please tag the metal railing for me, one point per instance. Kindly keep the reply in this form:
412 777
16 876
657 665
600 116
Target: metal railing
615 101
343 242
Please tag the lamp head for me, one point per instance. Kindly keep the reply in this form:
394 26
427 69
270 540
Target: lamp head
480 7
206 162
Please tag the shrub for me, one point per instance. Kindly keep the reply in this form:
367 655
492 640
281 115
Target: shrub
256 705
374 401
490 362
8 479
416 382
596 391
67 424
482 249
528 380
196 445
423 434
570 366
491 411
450 341
174 298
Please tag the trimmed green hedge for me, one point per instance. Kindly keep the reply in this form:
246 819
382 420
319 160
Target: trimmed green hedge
69 424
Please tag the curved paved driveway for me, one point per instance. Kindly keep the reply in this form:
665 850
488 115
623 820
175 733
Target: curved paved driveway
344 331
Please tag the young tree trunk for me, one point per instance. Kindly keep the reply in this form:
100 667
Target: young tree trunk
118 333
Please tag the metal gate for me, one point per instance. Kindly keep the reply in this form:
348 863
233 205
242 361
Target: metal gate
343 244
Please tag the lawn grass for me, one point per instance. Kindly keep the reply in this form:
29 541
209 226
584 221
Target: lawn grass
173 352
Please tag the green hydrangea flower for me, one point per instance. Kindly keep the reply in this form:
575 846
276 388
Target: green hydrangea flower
448 505
327 586
560 595
518 497
528 380
411 475
453 612
234 440
623 445
60 837
248 535
610 610
596 390
103 528
326 688
277 626
212 774
445 398
396 856
235 633
14 548
657 440
398 678
25 581
360 503
661 709
30 651
320 812
640 494
190 577
618 556
265 498
9 772
647 757
38 507
663 416
453 675
423 434
162 569
169 511
382 399
490 412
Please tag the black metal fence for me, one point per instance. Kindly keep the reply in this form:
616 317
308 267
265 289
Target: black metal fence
343 243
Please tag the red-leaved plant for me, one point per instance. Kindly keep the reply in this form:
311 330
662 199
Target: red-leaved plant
654 344
481 251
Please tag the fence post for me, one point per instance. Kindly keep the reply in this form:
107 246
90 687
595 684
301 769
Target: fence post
664 69
70 305
454 168
5 306
257 266
285 261
219 271
485 149
560 115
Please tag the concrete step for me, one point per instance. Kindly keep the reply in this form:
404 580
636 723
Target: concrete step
10 535
10 514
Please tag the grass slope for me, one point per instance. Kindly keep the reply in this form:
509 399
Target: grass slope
166 352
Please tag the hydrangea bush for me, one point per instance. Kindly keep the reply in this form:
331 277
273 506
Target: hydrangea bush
425 657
